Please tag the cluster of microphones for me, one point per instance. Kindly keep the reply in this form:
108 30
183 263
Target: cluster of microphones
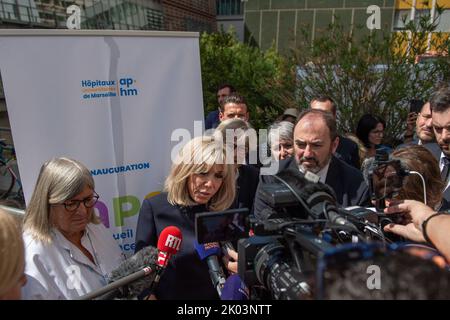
142 272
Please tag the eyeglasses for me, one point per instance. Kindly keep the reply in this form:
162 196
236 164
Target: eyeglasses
73 205
353 252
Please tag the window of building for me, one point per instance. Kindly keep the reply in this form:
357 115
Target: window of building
229 7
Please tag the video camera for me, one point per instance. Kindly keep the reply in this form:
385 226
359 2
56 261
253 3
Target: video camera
385 178
302 222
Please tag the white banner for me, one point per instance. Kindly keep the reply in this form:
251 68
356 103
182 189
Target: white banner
109 100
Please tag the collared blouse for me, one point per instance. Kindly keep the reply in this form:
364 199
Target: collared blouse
59 270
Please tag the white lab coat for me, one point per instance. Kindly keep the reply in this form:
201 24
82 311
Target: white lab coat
61 271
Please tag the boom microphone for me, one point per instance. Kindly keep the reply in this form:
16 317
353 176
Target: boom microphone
210 252
130 278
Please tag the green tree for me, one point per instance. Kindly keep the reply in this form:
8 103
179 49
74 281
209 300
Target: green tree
226 60
367 72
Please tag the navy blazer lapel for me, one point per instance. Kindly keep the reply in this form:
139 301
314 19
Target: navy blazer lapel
435 150
333 179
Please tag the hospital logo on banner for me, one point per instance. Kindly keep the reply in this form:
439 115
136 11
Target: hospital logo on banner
95 89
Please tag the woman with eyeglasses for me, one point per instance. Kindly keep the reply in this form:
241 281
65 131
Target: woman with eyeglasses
68 251
370 131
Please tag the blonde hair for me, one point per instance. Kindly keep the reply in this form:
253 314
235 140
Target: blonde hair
200 155
362 150
59 180
12 252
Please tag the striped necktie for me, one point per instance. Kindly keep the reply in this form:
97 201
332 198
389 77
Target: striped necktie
445 169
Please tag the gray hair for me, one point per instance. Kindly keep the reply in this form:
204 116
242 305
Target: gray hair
59 180
284 129
231 124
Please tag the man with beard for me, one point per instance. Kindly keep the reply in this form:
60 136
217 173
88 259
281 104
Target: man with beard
440 112
424 132
315 141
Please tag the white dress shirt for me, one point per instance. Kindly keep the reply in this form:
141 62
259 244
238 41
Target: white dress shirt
322 174
59 270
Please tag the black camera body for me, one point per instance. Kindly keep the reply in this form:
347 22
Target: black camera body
385 178
303 222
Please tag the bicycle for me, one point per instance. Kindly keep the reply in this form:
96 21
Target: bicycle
10 184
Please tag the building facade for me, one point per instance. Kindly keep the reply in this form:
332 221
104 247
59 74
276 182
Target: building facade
283 23
230 14
105 14
170 15
189 15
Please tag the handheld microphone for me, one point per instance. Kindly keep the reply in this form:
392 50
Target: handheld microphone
235 289
319 198
169 243
130 278
210 252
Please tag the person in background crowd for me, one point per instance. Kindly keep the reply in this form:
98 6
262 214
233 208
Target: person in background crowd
198 181
68 251
419 159
362 150
247 176
12 258
280 140
315 140
212 119
370 131
289 115
346 150
234 106
423 126
440 111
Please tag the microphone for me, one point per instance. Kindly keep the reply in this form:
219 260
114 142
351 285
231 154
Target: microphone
169 243
210 252
235 289
130 278
366 167
319 198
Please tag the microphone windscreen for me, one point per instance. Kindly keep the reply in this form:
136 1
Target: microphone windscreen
234 289
302 186
146 257
366 166
207 249
170 240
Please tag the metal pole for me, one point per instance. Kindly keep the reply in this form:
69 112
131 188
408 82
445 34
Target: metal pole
411 19
433 12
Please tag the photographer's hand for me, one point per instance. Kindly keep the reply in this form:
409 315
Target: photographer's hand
230 260
415 213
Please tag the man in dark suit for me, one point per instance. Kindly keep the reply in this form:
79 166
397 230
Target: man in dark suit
346 150
246 184
315 141
440 112
212 119
424 130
